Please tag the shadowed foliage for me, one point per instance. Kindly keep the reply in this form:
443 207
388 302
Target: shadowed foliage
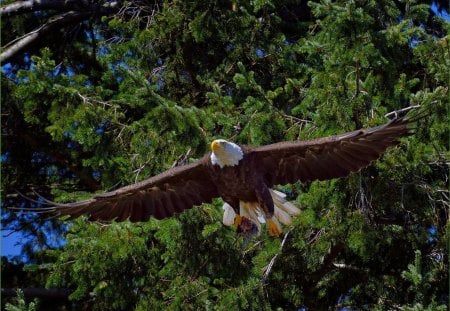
130 89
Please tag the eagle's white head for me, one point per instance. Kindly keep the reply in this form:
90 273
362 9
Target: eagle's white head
225 153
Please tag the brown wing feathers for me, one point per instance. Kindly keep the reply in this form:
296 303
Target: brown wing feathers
183 187
161 196
330 157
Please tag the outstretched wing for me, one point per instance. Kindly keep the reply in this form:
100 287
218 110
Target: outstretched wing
160 196
330 157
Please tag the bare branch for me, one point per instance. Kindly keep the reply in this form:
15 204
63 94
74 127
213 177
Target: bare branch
75 11
295 119
61 20
182 159
348 267
396 112
272 261
21 7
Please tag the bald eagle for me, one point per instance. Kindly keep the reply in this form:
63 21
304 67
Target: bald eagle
244 177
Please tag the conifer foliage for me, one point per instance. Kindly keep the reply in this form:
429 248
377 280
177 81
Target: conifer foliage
125 93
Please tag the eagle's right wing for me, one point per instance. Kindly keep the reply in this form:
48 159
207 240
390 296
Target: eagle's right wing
160 196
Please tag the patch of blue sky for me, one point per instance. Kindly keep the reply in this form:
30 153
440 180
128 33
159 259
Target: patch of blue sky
103 126
57 70
344 299
71 145
27 58
96 175
259 52
102 50
68 134
12 242
119 67
432 232
48 170
96 34
443 13
5 157
69 71
160 83
7 70
39 157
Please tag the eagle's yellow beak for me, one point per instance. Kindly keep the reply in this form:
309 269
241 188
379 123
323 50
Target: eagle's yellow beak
215 145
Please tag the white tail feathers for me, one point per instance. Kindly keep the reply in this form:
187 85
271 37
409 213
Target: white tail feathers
277 193
282 216
228 214
280 201
283 212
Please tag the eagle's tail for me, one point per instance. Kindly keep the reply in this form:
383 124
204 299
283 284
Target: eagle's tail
283 212
251 216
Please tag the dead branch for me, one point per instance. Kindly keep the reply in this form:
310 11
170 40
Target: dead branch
22 7
74 11
182 159
396 112
14 47
272 261
352 268
295 119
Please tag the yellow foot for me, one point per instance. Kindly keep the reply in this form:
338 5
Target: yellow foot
237 220
274 227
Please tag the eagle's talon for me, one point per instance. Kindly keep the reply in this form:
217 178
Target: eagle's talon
237 221
274 228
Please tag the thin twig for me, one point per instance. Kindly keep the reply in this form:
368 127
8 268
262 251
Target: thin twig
272 261
316 236
89 100
182 159
252 247
295 119
396 112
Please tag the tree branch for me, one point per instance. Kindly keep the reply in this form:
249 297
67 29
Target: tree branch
22 7
14 47
272 261
75 11
397 112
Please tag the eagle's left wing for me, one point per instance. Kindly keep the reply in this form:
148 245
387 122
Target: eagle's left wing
330 157
160 196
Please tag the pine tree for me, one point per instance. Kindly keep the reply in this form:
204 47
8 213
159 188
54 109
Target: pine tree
153 88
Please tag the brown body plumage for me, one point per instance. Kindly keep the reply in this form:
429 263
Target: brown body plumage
249 180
